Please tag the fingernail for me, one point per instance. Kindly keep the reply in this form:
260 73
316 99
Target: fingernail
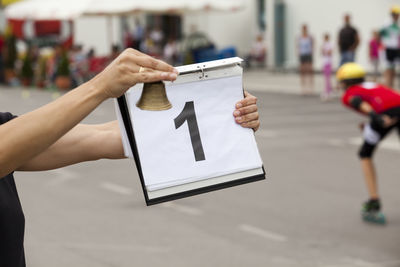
173 76
236 113
239 118
176 71
239 105
164 75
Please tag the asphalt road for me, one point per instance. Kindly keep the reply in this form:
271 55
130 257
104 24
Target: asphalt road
307 212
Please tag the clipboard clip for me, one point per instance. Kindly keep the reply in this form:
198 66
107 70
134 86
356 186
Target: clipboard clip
203 74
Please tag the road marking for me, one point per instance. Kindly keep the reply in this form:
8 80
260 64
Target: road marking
391 144
183 209
388 144
354 262
106 247
122 190
262 233
61 176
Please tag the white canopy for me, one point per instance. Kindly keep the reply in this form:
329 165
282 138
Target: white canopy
71 9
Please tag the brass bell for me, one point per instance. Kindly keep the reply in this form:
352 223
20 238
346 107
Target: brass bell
154 97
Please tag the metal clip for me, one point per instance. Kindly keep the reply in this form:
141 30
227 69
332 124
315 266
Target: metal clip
202 71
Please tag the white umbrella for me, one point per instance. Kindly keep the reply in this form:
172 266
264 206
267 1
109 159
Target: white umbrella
47 9
72 9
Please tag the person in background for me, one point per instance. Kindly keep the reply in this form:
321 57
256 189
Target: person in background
53 62
326 52
2 43
258 52
305 50
375 47
390 36
348 41
138 35
115 51
147 45
157 36
79 64
170 53
128 37
382 105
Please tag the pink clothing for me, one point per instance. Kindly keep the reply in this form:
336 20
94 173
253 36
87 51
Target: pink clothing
374 47
327 75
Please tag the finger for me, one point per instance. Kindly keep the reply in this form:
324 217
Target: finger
245 110
248 100
247 118
147 77
151 63
251 124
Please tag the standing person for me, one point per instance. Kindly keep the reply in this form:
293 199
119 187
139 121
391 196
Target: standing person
326 51
258 52
305 50
2 42
375 47
138 34
170 53
51 137
382 105
348 41
157 36
391 40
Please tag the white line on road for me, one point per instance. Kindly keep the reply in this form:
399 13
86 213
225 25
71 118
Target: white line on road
387 144
101 246
262 233
183 209
354 262
116 188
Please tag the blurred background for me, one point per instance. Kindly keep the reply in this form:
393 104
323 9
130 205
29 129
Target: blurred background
307 212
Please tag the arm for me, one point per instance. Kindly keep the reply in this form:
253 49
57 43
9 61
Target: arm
382 120
93 142
25 137
356 42
82 143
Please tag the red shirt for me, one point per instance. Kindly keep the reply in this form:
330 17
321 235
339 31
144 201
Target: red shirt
378 96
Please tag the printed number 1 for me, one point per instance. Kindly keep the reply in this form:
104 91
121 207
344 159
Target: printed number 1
188 114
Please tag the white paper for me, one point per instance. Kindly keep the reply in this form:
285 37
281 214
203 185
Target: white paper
166 154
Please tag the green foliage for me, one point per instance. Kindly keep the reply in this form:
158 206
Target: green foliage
27 68
63 65
11 55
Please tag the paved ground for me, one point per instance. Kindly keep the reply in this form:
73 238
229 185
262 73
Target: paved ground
305 214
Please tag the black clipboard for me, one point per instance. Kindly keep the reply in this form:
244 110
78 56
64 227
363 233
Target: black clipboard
126 119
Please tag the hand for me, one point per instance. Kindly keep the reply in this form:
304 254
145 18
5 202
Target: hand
382 120
123 73
388 121
246 113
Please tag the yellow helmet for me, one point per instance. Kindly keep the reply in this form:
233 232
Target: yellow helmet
350 71
395 9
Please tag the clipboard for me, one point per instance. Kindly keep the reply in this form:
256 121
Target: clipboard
154 194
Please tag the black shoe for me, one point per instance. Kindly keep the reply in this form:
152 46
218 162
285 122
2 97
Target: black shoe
372 205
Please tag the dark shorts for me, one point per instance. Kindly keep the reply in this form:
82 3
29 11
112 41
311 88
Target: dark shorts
392 55
373 134
306 59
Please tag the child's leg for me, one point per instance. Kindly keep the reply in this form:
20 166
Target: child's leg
327 75
368 169
372 137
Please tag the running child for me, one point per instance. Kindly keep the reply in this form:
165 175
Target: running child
382 105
